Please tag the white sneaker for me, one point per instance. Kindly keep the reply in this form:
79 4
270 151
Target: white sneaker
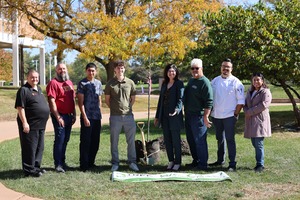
170 165
134 167
176 167
114 167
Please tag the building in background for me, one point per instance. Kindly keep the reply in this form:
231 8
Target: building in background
17 34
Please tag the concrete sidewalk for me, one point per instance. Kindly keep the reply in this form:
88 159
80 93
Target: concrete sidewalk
9 130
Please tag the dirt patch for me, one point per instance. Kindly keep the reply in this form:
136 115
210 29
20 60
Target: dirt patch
185 149
270 191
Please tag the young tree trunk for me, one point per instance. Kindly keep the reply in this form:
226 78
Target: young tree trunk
292 99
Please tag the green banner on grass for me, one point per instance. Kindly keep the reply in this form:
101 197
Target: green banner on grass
172 176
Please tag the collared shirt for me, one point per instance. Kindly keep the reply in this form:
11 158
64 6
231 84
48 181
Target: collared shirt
63 93
35 106
91 91
120 95
228 93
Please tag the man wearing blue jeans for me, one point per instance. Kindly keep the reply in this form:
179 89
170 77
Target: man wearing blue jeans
228 102
198 100
61 99
120 94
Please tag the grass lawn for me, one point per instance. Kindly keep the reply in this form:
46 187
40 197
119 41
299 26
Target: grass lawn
280 180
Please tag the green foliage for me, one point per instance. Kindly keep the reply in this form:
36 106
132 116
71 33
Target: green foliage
258 38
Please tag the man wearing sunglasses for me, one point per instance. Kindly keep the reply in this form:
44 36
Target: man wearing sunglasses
228 102
198 101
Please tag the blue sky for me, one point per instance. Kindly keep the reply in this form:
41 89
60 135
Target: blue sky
73 54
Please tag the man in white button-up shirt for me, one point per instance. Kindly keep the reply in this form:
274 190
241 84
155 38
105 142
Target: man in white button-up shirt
228 101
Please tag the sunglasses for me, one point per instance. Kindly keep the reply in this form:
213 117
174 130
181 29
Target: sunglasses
194 68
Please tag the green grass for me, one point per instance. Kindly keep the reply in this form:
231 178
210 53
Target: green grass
280 180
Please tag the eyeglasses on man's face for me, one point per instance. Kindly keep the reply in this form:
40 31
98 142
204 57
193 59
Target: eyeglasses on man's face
195 68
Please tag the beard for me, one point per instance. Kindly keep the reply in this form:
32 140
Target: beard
62 77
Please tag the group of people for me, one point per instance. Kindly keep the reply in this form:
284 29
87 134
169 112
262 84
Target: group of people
33 113
223 99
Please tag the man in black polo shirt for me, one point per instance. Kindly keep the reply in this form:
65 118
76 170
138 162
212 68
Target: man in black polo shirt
33 113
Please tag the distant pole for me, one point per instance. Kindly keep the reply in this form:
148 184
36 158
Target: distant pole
50 57
36 68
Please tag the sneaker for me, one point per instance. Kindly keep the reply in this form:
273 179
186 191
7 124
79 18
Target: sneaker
176 167
170 165
216 164
231 168
259 169
134 167
59 169
114 167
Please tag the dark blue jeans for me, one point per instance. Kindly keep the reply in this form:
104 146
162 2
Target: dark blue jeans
225 135
89 142
61 139
196 134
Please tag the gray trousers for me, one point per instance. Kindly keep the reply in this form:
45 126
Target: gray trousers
117 122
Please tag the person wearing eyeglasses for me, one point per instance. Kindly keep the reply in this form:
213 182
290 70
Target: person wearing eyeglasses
228 101
257 117
169 115
198 101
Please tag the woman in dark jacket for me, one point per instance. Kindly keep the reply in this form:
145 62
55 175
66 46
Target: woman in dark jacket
169 115
257 117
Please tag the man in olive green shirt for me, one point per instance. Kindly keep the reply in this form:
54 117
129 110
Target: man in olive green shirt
120 96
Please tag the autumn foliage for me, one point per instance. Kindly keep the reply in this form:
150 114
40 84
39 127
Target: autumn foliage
5 65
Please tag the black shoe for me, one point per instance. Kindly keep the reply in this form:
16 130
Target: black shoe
93 166
65 167
43 171
231 168
200 168
193 164
259 168
83 169
216 164
34 174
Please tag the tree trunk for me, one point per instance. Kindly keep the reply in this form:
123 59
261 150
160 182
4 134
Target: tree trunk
292 99
110 70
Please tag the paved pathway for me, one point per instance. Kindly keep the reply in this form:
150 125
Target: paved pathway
9 130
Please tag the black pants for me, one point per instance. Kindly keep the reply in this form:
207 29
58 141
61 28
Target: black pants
32 148
89 143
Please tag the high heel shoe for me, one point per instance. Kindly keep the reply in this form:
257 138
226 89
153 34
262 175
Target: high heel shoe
176 167
170 165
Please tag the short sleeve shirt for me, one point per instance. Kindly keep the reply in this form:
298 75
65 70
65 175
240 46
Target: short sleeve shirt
120 95
64 95
91 91
35 106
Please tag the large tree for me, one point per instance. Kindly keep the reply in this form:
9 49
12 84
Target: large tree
107 30
258 38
